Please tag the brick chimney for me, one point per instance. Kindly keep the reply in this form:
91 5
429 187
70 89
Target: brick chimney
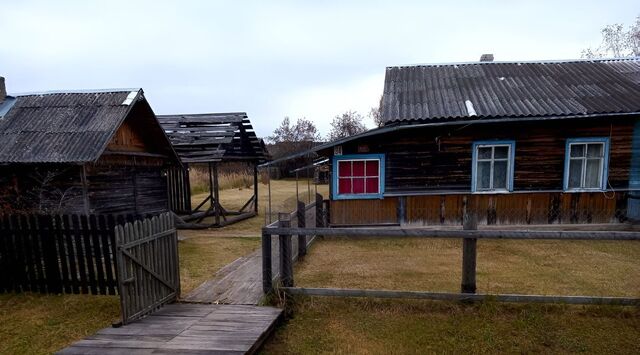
3 90
486 58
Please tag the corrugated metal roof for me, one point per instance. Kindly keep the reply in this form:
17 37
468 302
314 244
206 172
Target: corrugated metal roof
210 137
511 89
61 127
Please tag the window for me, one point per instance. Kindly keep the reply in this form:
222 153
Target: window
358 176
493 166
586 164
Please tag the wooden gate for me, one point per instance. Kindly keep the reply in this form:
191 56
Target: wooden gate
147 264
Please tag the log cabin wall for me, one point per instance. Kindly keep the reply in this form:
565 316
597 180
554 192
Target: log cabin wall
430 168
44 188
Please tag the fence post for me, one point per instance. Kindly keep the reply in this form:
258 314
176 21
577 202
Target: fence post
469 252
267 272
286 266
302 222
319 212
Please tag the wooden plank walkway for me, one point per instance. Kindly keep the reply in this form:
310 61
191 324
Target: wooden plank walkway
186 328
240 282
237 283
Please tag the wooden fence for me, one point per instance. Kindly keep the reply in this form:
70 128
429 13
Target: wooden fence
147 264
469 234
58 254
279 253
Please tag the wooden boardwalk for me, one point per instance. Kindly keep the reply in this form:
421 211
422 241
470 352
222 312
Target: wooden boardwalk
237 283
186 329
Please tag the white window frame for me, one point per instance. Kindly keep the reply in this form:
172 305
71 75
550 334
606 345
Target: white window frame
603 168
509 159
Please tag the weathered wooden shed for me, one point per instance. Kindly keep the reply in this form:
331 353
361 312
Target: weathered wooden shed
523 142
94 151
211 139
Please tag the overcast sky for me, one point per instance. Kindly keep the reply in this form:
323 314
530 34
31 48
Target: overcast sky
277 58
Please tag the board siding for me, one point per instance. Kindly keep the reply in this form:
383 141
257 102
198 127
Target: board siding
432 168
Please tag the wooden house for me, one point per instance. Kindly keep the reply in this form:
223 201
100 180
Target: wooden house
82 152
521 142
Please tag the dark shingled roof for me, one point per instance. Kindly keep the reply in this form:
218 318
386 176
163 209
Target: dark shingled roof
68 127
438 92
211 137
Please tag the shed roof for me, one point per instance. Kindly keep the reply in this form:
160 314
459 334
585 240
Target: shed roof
454 91
65 127
212 137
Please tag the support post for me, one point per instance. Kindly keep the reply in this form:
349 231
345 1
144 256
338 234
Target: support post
308 186
187 192
255 187
267 272
269 187
319 212
297 190
284 241
211 203
302 239
469 252
216 193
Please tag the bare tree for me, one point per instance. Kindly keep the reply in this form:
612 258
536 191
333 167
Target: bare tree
617 42
346 125
375 114
302 131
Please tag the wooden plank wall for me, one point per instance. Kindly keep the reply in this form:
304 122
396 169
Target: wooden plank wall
58 254
439 159
347 212
127 189
505 209
179 190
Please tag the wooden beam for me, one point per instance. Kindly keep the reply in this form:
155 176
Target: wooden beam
284 242
255 187
216 192
469 250
302 238
444 296
267 273
382 232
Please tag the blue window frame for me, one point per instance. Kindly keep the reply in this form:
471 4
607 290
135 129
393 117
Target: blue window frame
357 176
586 164
492 169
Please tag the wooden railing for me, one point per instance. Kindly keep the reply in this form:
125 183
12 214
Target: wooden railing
279 253
469 234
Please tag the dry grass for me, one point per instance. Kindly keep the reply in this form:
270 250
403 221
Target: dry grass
230 176
373 326
606 268
42 324
359 326
201 256
283 199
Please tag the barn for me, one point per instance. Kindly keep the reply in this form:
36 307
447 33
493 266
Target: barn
526 143
86 152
